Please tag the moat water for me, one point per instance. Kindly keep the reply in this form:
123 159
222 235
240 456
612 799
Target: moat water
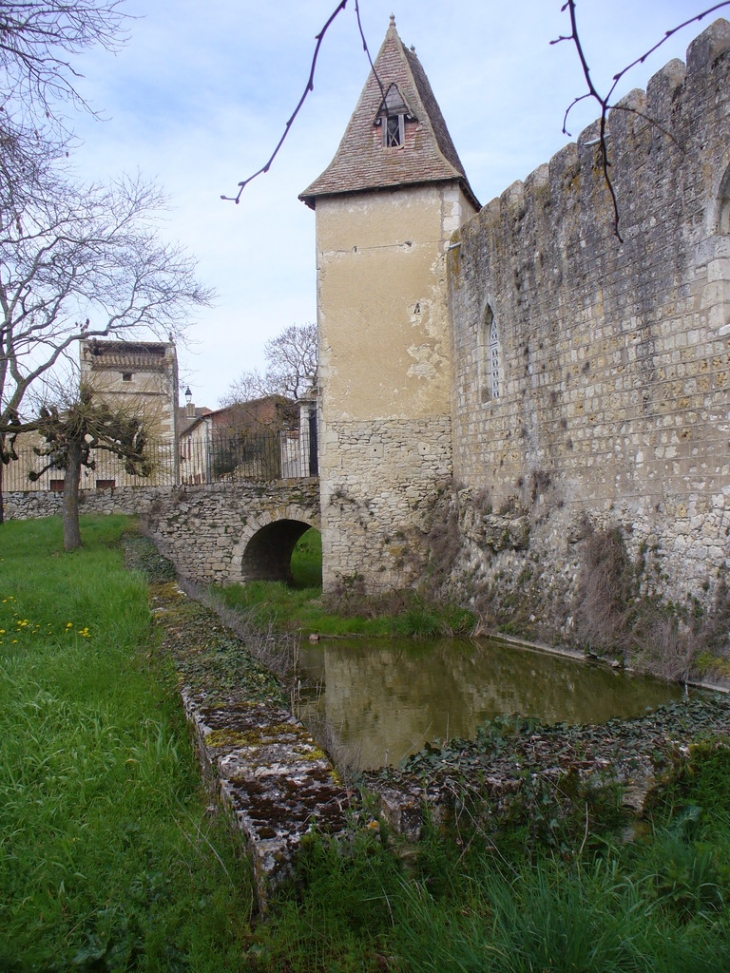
383 700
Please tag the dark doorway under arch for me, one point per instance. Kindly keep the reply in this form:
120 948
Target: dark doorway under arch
268 554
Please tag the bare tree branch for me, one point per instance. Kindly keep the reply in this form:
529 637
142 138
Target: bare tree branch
78 262
36 37
73 428
308 87
291 368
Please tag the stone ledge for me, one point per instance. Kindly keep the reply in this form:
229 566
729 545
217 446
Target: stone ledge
278 784
522 760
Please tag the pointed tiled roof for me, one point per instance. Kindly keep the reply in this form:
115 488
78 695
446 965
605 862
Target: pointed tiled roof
362 163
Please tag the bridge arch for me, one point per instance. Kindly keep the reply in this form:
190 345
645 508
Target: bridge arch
266 543
210 530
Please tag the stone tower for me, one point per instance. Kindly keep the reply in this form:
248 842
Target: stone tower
386 208
141 378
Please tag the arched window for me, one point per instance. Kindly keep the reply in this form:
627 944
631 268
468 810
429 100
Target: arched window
488 357
717 296
494 359
724 204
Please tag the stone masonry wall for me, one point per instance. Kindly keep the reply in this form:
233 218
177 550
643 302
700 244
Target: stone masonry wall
377 496
613 402
206 530
27 504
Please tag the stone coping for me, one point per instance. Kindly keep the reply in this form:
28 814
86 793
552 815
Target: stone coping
266 767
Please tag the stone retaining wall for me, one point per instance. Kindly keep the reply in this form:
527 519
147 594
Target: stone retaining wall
27 504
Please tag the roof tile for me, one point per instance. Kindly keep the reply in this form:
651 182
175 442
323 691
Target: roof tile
362 163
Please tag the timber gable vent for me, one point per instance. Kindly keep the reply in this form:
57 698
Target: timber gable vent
392 116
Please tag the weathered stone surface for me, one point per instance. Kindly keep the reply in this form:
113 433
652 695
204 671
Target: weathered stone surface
527 762
277 782
614 357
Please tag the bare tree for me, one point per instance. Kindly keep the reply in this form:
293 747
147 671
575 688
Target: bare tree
73 430
291 367
37 37
78 262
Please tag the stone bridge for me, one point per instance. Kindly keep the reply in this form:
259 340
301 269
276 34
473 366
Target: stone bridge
224 532
231 532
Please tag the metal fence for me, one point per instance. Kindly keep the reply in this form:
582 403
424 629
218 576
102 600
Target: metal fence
258 456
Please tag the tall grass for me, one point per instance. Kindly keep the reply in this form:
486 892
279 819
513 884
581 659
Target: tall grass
477 903
109 859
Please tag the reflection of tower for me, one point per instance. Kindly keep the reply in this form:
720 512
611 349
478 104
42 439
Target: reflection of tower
386 208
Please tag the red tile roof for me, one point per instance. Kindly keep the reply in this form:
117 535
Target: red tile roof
362 163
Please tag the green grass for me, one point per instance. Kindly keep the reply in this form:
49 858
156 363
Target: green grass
109 860
273 603
465 905
306 560
302 607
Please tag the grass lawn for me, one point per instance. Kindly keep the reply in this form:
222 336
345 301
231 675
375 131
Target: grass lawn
110 860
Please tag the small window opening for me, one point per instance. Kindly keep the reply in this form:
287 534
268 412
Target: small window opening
488 364
56 486
393 131
724 204
105 485
392 116
494 359
127 376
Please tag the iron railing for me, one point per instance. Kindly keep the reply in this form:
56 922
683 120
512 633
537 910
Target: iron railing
260 456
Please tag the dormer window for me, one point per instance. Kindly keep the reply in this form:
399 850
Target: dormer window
392 116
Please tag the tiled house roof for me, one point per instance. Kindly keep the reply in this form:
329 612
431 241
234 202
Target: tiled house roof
427 155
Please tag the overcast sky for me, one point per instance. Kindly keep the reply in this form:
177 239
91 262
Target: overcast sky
199 95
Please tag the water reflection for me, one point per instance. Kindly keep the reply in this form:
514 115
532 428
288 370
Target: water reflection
384 699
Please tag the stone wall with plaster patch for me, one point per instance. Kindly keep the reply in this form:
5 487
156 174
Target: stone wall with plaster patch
384 374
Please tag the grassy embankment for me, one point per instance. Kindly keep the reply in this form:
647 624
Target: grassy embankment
109 862
302 607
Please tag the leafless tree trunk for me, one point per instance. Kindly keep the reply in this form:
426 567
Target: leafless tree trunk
71 529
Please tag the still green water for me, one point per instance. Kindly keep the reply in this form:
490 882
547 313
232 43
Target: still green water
383 700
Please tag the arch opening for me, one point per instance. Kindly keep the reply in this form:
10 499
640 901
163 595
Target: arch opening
306 560
268 554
